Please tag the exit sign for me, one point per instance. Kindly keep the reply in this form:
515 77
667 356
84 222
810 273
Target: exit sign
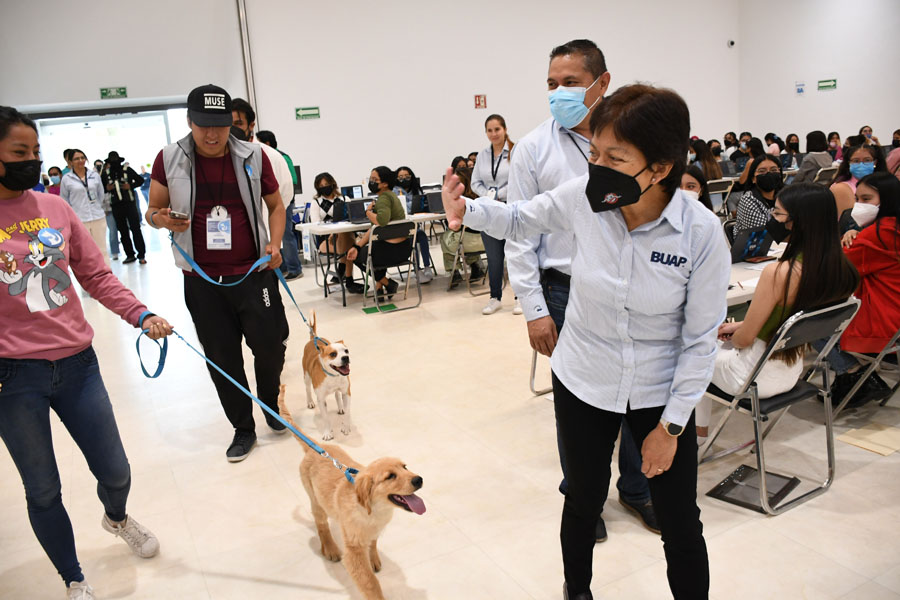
113 92
827 84
308 112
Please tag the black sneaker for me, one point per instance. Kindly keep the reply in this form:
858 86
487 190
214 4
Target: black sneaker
354 287
241 445
475 271
455 280
392 287
876 387
130 259
600 532
275 425
582 596
843 383
644 511
292 276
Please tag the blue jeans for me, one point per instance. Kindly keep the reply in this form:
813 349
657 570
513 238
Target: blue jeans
839 360
632 484
74 389
290 253
494 249
422 246
113 232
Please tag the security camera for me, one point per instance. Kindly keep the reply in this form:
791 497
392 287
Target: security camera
730 43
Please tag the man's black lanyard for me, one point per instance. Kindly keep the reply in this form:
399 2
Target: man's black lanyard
577 146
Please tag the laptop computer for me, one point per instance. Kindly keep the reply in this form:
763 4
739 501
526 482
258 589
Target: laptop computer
751 243
352 191
356 211
740 162
435 202
786 161
728 169
417 204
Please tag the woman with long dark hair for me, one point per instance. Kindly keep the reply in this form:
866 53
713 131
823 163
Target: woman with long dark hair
859 161
875 251
812 272
408 185
694 185
705 161
756 149
755 205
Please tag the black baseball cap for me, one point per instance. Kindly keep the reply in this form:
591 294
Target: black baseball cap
209 106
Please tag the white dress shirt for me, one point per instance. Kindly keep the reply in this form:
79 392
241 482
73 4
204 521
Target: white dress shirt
548 156
85 197
483 178
644 307
282 173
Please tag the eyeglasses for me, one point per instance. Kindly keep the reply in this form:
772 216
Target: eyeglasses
779 213
764 171
856 161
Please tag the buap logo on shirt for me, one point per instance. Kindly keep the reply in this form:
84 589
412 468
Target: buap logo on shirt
672 260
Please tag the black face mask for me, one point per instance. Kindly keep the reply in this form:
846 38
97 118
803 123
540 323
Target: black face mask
896 143
769 182
21 175
777 230
608 189
717 151
325 190
373 187
404 183
795 146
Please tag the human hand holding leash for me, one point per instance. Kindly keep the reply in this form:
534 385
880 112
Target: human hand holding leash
454 203
157 327
658 452
275 253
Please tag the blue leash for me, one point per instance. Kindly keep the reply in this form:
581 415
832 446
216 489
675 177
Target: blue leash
348 472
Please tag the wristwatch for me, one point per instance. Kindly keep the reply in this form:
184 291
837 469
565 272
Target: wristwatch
671 428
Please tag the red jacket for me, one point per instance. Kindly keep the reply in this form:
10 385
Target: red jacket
878 318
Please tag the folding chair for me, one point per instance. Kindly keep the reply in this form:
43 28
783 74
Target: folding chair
536 392
801 328
460 264
723 187
397 229
825 175
892 347
728 228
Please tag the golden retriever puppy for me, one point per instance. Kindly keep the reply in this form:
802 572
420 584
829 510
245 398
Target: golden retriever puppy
362 509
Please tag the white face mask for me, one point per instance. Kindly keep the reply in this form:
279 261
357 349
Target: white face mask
691 194
864 214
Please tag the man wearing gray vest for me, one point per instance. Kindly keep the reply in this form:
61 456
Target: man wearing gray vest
209 189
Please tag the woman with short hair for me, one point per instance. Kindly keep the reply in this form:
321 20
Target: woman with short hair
650 272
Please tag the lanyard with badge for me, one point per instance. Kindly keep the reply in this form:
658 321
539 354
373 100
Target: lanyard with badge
495 168
577 146
87 188
218 221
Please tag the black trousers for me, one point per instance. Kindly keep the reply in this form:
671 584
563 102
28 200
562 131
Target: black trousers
588 436
383 254
223 316
127 219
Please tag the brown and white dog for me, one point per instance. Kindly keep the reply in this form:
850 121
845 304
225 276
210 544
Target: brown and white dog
326 370
363 509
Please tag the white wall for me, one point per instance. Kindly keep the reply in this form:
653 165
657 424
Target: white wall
396 81
56 51
807 40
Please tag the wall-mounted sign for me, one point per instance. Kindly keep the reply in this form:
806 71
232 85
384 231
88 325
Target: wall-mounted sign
307 112
827 84
480 100
113 92
801 87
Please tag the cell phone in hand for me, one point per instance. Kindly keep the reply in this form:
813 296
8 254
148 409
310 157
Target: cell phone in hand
177 215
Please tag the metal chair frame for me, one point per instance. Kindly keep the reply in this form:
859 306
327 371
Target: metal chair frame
892 347
391 231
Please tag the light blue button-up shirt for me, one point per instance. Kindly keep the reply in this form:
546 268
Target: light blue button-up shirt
644 307
542 160
483 177
85 197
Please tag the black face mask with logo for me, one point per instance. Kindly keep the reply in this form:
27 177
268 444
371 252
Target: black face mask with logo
373 187
608 189
21 175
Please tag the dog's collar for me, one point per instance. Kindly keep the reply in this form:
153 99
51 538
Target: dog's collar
326 372
316 344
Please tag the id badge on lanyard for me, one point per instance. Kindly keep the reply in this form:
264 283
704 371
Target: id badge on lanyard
218 229
492 193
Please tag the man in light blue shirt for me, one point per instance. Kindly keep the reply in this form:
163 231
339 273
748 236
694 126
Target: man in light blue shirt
540 266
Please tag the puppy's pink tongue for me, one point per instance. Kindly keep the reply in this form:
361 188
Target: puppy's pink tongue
414 503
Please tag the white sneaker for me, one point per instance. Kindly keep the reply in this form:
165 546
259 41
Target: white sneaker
424 275
79 590
518 309
492 306
141 541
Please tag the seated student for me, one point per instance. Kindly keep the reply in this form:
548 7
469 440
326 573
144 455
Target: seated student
875 251
470 160
817 157
792 147
755 148
834 146
693 185
755 205
774 144
866 132
805 215
408 186
704 160
384 209
715 146
459 162
321 210
471 240
859 161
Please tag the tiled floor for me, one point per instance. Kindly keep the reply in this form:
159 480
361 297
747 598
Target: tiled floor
446 389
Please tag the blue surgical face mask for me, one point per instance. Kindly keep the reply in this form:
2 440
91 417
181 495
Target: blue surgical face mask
860 170
691 157
54 179
567 105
